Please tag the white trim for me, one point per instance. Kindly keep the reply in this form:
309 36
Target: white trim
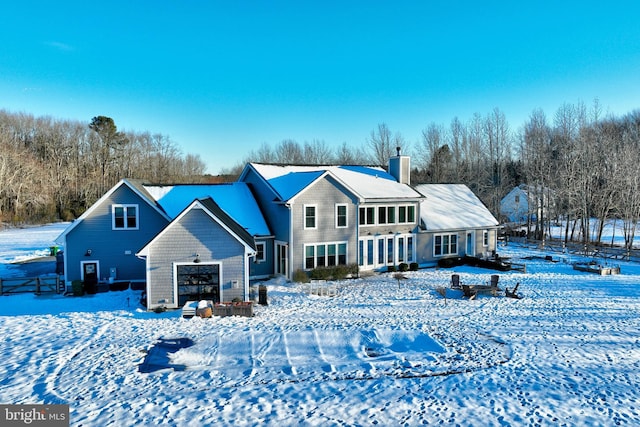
448 246
101 200
264 252
315 216
394 207
90 261
277 244
194 205
125 207
176 297
384 239
346 215
470 251
326 253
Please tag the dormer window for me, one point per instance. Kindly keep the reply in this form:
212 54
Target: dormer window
124 217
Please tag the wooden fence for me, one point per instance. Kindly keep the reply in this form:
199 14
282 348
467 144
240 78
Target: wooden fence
576 248
38 285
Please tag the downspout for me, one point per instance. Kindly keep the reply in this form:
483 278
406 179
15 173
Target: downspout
290 243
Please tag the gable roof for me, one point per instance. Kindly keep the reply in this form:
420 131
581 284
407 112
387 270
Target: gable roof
217 214
235 199
365 182
453 207
133 186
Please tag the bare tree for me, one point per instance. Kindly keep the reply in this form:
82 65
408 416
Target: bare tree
317 152
383 144
289 152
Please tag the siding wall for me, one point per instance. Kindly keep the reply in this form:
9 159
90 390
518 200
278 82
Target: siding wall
264 268
195 233
324 195
112 248
424 245
276 215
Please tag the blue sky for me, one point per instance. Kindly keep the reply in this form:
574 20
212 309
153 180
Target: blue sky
221 78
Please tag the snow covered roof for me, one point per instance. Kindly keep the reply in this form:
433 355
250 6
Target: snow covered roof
233 198
364 181
453 207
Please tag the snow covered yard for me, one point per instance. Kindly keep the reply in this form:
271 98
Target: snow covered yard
379 353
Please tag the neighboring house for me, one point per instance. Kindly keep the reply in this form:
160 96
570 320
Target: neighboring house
337 215
202 254
525 204
454 222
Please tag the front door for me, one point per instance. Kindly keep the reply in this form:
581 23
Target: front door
90 276
198 282
470 244
282 263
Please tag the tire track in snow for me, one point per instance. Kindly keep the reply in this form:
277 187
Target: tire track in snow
45 389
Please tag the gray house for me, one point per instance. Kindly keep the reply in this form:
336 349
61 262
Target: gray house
454 222
191 242
337 215
202 254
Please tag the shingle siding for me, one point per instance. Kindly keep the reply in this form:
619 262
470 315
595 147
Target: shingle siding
194 233
112 248
324 194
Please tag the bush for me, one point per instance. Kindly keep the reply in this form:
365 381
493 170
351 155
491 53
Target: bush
300 276
391 268
414 266
403 266
337 272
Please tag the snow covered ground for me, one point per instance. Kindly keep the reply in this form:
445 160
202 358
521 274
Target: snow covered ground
380 353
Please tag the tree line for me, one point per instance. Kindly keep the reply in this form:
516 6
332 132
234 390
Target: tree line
578 163
55 169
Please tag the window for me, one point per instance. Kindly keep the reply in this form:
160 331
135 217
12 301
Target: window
260 253
411 214
369 251
382 215
372 215
367 216
445 244
485 238
391 215
321 258
406 214
309 216
342 254
309 258
124 217
326 254
341 216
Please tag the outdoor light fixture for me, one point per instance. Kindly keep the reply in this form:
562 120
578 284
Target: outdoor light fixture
197 260
88 253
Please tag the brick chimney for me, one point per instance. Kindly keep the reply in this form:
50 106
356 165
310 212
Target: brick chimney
400 167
